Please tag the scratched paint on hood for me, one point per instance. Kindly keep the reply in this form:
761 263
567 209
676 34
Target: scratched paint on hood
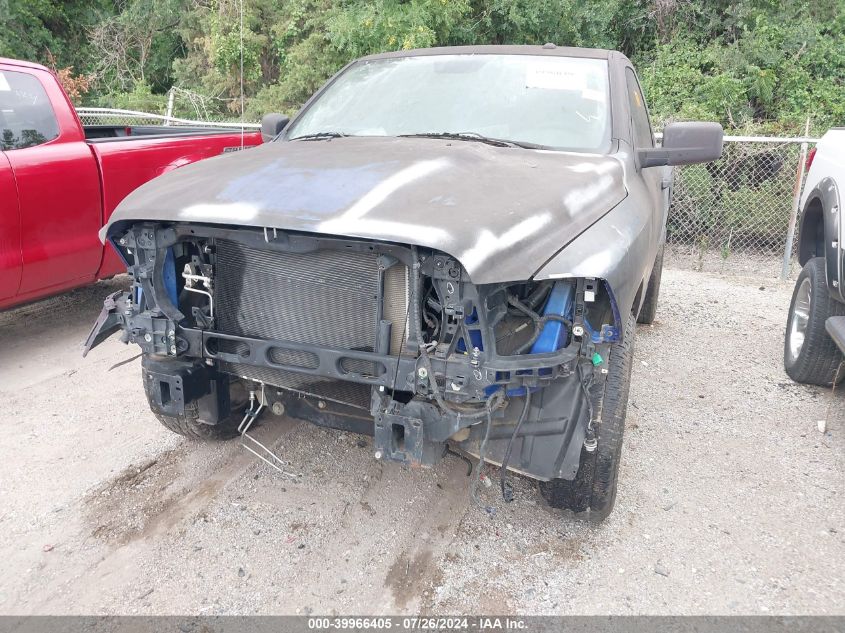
502 212
309 192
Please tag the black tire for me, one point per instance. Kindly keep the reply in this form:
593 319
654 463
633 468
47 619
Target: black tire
189 425
649 308
815 360
592 493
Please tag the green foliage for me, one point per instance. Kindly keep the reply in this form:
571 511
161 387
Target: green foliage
564 22
137 44
32 29
771 67
754 65
141 98
383 25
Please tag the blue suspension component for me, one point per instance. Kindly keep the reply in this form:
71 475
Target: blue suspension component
169 275
555 335
474 335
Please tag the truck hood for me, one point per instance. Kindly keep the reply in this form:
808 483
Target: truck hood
502 212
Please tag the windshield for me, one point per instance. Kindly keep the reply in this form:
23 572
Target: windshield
556 102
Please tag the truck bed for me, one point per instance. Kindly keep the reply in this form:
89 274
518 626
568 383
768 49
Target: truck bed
131 160
64 180
100 133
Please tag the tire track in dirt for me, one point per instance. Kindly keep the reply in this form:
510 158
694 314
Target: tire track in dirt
418 563
146 502
156 496
384 549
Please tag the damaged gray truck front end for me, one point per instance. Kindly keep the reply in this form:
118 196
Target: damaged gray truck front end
412 352
460 292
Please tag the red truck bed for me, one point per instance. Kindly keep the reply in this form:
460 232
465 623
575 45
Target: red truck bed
57 187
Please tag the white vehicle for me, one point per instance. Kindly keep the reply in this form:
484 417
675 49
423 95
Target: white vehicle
815 330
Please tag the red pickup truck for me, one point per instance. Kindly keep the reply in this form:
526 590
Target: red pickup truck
60 181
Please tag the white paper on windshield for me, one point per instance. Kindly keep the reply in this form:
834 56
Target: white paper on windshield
4 84
552 76
593 95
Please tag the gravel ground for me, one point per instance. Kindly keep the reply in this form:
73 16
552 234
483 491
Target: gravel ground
731 500
765 266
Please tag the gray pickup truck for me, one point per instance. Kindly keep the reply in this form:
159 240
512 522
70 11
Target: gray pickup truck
445 248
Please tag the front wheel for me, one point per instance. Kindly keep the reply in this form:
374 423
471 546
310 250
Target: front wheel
592 493
809 354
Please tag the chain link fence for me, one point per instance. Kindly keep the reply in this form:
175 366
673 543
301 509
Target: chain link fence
110 116
733 215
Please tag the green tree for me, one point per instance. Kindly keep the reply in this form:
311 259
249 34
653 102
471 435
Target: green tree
36 29
754 65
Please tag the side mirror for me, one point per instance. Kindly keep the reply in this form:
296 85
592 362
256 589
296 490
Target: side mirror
271 125
685 144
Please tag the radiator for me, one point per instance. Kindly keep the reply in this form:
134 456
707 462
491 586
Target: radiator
324 297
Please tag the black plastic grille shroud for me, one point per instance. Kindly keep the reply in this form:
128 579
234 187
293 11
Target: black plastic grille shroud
324 297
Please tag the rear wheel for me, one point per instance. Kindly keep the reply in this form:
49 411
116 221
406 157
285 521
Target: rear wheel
649 308
809 354
592 493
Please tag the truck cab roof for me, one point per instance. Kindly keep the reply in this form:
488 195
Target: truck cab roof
29 65
548 50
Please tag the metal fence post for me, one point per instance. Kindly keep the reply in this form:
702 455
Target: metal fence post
169 114
796 200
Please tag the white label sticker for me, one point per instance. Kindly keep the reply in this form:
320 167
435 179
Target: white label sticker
4 85
592 95
550 76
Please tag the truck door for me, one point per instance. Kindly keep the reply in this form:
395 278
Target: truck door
655 180
10 229
57 180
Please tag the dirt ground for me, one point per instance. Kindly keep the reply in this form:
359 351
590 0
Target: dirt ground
730 499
